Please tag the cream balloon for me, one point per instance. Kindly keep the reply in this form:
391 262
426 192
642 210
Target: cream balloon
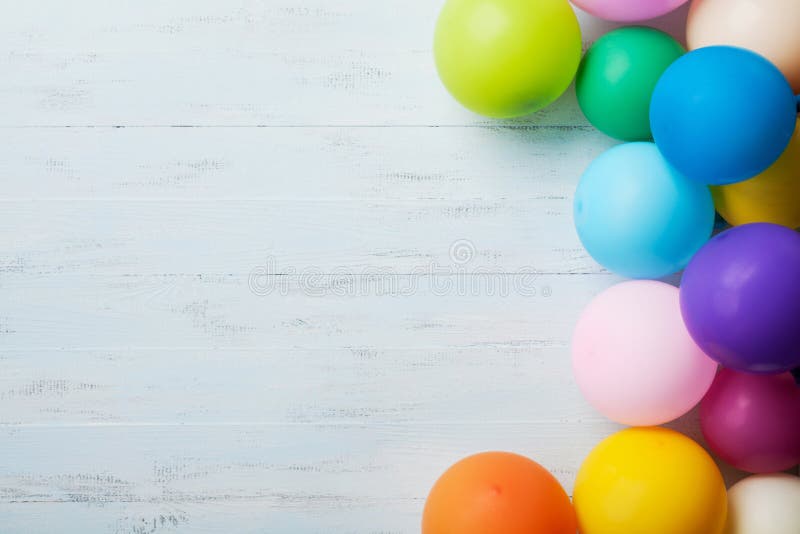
764 504
769 27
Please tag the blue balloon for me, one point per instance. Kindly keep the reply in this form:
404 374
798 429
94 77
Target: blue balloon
722 114
637 216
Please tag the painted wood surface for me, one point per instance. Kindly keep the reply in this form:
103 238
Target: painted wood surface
259 273
238 62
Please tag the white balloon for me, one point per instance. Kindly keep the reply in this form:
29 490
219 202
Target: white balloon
764 504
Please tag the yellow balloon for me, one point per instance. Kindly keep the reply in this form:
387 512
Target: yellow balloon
649 481
772 196
507 58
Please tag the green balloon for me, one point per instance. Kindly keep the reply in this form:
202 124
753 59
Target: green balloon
617 76
507 58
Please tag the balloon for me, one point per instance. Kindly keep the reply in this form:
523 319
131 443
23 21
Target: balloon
768 27
497 492
711 125
769 197
628 10
740 298
764 504
633 358
617 76
637 216
649 480
507 58
751 421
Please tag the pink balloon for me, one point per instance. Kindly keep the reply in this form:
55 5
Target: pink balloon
628 10
753 421
633 358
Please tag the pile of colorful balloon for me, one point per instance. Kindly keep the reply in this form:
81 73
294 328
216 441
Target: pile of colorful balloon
711 128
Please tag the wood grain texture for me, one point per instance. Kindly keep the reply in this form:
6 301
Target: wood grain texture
238 62
259 273
222 201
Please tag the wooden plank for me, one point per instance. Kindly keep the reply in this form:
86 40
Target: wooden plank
239 62
251 516
296 164
343 311
361 384
234 237
223 201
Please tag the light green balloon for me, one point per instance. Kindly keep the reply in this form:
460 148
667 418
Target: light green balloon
507 58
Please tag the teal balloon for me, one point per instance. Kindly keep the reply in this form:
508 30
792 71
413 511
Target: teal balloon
617 76
637 216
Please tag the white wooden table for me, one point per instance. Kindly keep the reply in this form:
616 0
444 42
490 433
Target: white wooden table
252 260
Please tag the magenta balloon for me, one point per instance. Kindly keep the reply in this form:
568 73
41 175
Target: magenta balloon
753 421
628 10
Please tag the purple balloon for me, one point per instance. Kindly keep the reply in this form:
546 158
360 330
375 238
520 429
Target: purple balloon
740 298
751 421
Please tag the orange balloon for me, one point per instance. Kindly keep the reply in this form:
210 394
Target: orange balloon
498 493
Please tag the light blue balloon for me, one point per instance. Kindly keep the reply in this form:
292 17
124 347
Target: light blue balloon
637 216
